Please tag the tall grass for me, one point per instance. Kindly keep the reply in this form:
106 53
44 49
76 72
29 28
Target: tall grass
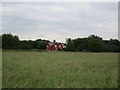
53 69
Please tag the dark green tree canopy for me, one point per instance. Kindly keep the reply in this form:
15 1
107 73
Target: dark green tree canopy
91 43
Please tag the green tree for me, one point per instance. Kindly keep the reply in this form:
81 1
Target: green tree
70 46
94 43
9 41
41 44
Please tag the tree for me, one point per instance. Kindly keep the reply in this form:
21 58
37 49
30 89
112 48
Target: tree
26 44
91 43
9 41
80 44
41 44
94 43
70 45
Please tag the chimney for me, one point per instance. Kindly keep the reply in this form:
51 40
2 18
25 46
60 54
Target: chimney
54 41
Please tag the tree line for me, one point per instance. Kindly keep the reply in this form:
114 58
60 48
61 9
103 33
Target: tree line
91 43
10 41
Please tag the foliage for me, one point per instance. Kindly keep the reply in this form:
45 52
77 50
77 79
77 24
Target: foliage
70 45
41 44
93 44
13 42
26 44
9 41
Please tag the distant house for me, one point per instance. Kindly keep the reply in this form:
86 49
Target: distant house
54 46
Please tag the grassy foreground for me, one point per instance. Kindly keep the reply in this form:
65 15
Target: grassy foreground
53 69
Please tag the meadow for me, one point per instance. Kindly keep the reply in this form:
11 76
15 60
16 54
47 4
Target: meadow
59 69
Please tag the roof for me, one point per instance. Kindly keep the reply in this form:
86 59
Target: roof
51 43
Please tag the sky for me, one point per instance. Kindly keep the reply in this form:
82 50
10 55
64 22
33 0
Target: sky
60 20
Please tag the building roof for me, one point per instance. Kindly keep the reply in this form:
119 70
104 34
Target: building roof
51 43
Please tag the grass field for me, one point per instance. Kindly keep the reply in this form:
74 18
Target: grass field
53 69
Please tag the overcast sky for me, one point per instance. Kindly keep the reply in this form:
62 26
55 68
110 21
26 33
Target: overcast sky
60 20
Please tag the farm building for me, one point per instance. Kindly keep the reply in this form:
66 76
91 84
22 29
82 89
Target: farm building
54 46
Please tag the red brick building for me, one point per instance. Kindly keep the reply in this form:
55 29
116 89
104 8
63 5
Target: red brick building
54 46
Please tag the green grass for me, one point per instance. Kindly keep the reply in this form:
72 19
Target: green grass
53 69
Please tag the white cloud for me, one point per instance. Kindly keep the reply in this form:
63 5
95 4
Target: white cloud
60 20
